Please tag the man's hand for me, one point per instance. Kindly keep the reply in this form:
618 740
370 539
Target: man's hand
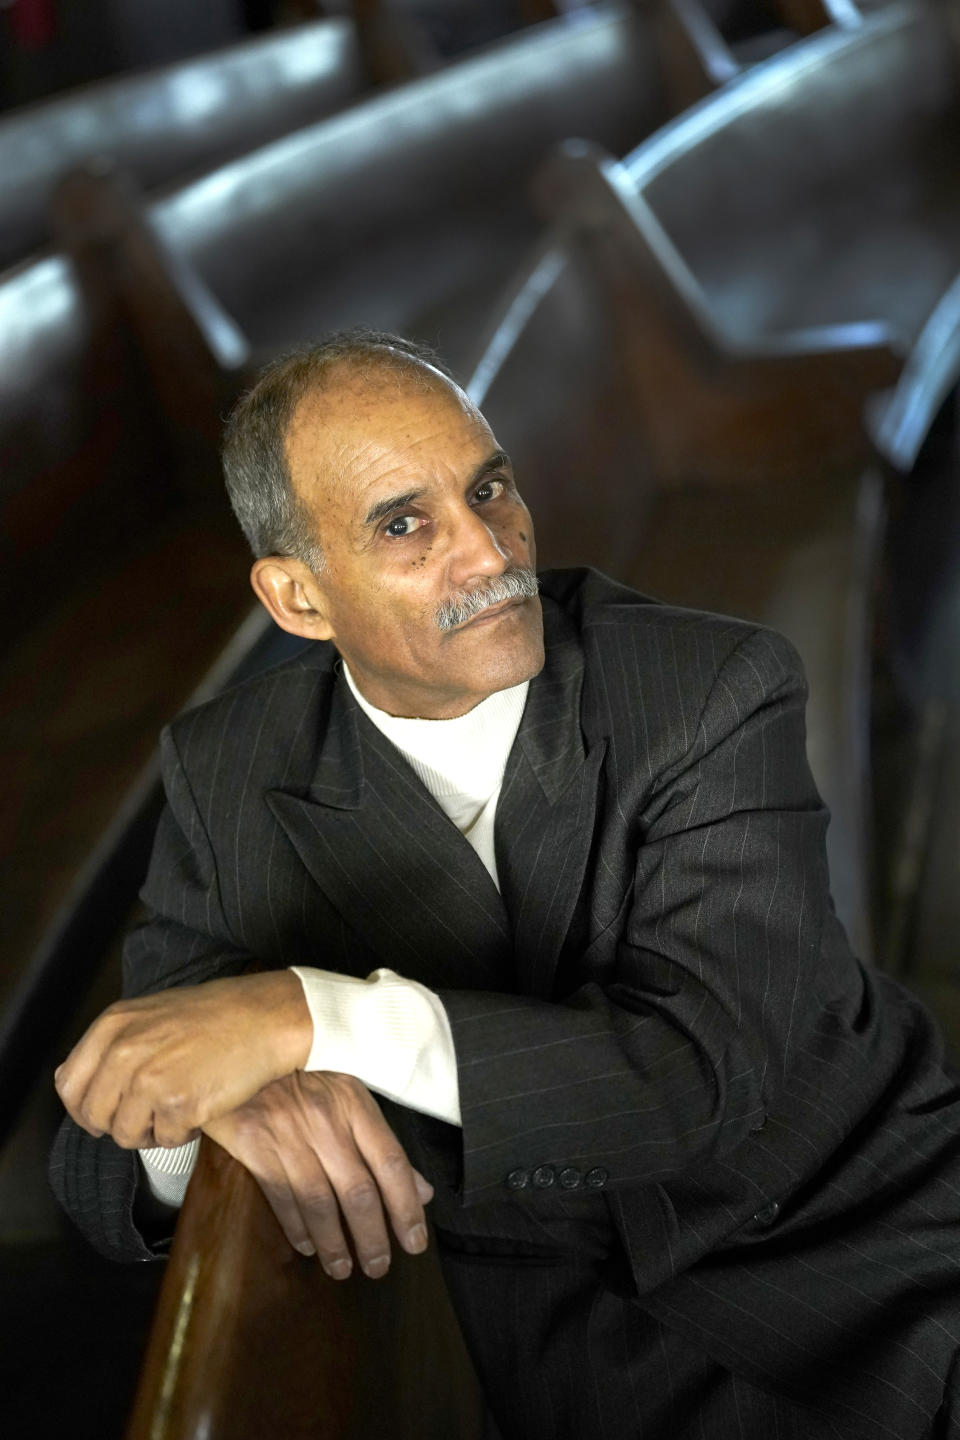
324 1156
154 1071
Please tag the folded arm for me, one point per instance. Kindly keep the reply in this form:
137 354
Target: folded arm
676 1049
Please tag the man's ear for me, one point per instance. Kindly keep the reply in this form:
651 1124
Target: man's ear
290 592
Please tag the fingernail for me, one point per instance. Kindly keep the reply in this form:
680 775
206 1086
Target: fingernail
376 1267
417 1239
339 1269
306 1248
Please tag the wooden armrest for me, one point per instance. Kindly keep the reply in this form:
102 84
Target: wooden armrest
252 1340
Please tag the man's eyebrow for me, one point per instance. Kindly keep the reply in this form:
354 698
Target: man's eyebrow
499 460
391 502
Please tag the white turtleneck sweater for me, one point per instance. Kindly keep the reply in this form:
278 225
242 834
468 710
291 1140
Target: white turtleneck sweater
392 1033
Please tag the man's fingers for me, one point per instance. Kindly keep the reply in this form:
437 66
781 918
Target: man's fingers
318 1216
331 1170
424 1189
73 1078
284 1206
362 1210
395 1178
95 1107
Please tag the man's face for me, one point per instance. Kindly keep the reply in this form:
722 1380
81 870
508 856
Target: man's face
414 503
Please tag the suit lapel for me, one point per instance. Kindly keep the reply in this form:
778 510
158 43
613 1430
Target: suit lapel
545 817
391 862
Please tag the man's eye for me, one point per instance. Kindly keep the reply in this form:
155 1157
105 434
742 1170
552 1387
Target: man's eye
403 525
489 490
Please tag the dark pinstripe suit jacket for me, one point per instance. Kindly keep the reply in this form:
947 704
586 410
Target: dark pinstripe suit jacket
661 998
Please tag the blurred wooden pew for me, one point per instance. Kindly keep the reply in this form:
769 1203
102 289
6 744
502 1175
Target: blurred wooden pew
728 473
406 208
828 173
176 121
708 43
95 899
733 412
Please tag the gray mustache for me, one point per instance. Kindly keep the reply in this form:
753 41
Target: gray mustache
517 584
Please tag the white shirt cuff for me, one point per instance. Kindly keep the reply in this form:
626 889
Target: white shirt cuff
168 1172
391 1033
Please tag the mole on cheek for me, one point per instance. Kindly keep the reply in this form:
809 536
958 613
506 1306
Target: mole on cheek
522 536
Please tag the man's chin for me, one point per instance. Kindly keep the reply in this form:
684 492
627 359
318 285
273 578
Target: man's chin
509 648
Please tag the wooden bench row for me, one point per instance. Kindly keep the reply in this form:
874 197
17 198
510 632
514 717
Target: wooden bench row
174 121
178 120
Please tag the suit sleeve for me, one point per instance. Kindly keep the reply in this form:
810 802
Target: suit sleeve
672 1058
183 941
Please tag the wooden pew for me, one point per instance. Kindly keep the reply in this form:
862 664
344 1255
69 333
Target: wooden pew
179 120
708 43
347 221
716 472
828 173
251 1339
96 898
746 372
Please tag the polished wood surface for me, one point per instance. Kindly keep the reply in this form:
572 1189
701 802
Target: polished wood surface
196 359
174 121
719 471
252 1339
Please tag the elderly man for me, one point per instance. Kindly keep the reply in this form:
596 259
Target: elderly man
544 869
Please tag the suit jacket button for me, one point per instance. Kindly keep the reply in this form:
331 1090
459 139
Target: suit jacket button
597 1177
767 1213
517 1180
569 1178
544 1176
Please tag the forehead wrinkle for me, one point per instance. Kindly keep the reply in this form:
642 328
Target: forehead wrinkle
329 428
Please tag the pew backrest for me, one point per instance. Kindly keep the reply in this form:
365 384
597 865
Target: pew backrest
345 221
174 121
829 176
469 134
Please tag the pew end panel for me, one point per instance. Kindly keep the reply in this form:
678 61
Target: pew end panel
695 57
829 176
722 409
582 387
252 1339
195 357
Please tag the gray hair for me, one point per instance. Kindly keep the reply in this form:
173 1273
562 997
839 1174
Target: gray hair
261 492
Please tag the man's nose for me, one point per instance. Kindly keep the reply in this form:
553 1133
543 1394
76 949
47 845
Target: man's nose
475 550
